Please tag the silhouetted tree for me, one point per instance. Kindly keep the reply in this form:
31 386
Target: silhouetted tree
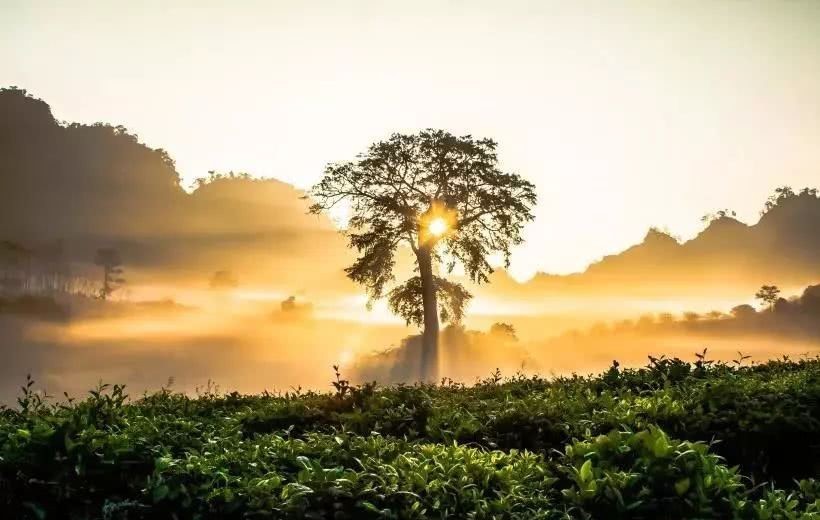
715 315
743 311
215 176
780 194
423 190
768 294
503 330
109 259
720 214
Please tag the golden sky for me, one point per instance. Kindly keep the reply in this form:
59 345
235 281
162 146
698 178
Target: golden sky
625 114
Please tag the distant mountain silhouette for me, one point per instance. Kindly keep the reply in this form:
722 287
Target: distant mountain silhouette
782 247
89 186
82 187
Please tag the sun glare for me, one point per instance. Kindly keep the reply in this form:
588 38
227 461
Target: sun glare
437 227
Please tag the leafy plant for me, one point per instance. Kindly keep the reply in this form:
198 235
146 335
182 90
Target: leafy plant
574 447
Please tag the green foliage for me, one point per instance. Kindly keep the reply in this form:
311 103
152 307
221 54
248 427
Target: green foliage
405 300
648 475
567 448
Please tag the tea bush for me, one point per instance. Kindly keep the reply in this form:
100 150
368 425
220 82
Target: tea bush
671 440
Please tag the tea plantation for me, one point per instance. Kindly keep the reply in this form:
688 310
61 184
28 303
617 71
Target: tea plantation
672 440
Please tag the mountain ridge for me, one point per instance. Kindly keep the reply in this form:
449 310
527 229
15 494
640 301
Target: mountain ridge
783 245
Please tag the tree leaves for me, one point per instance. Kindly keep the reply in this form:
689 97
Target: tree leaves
398 180
406 300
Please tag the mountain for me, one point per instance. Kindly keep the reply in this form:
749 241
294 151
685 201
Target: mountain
783 247
92 186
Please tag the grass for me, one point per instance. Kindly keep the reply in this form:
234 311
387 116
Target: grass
671 440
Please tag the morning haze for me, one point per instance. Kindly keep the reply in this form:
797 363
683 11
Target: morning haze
428 260
254 194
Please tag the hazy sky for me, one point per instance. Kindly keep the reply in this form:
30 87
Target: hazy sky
625 114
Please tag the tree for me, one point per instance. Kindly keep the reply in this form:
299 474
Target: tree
743 311
503 330
718 215
768 294
444 198
781 194
109 259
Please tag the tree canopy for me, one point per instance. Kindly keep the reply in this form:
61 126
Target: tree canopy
424 190
768 294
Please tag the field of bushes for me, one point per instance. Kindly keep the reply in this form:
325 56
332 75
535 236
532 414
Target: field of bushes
672 440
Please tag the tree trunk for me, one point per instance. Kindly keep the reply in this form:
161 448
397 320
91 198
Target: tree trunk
429 347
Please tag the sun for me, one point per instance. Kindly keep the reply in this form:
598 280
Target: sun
436 222
438 226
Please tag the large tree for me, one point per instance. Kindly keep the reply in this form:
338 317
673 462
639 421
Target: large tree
442 196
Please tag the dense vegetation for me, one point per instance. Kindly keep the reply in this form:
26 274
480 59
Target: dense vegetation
672 440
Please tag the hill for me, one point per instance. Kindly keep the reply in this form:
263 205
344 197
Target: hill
91 186
88 186
727 256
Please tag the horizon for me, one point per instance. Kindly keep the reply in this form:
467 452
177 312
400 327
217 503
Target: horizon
338 217
644 117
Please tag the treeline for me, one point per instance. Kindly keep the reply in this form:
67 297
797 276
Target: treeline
40 270
796 316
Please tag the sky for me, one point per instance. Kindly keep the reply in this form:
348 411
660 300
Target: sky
624 114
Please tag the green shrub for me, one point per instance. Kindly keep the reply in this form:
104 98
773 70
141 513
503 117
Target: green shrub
566 448
647 475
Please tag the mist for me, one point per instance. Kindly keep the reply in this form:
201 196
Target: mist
231 281
235 340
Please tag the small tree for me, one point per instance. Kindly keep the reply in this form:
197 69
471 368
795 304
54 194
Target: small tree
781 194
109 259
503 330
445 199
718 215
768 295
743 311
715 315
